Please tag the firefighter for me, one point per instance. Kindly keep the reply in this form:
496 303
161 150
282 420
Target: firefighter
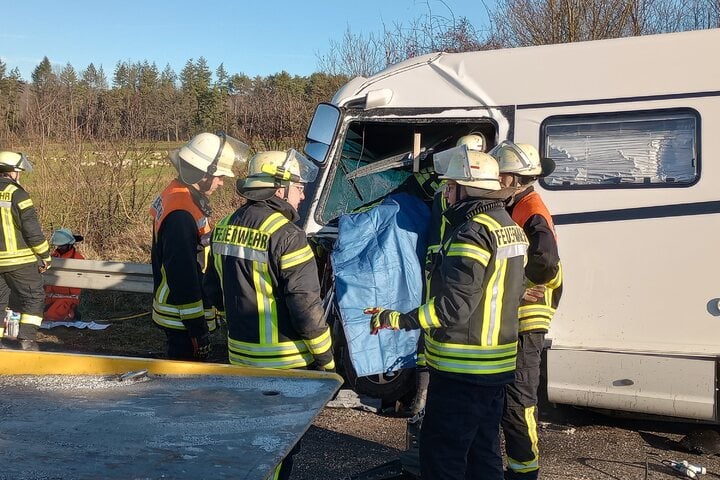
520 167
181 234
264 276
470 322
24 252
436 234
61 303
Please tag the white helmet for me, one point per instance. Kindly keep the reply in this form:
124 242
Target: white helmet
470 168
212 154
14 162
64 236
278 168
474 141
521 159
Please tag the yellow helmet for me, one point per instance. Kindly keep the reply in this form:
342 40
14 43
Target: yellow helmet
212 154
470 168
473 141
521 159
278 168
14 162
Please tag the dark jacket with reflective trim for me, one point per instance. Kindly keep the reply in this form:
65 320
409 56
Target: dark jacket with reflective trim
180 235
543 264
471 321
264 276
22 240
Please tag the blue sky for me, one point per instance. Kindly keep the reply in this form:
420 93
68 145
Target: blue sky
256 37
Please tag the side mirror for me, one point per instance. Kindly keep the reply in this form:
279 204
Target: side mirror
322 131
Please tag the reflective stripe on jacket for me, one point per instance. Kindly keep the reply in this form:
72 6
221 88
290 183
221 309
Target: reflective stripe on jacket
470 322
264 276
180 235
543 266
22 240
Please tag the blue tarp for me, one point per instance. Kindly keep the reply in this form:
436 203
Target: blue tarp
377 262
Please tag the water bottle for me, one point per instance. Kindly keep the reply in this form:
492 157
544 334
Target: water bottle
12 324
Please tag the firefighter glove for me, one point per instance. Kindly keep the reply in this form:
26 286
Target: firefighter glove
201 346
316 365
382 318
534 293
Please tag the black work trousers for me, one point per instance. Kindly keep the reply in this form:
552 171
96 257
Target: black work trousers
22 290
519 421
460 435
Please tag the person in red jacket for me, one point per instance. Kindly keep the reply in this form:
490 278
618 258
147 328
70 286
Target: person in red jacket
61 303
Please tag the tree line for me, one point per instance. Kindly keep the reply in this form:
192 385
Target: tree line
138 101
142 102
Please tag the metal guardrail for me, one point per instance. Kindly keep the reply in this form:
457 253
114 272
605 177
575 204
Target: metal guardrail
100 275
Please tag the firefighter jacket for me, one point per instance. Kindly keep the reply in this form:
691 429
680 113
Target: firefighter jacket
61 302
470 321
180 237
264 276
543 264
22 240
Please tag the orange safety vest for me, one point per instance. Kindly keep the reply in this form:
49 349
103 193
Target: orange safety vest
177 197
536 316
531 204
61 302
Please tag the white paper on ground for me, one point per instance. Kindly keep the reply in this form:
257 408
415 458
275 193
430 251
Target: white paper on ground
46 324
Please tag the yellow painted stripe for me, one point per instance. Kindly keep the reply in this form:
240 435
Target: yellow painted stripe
50 363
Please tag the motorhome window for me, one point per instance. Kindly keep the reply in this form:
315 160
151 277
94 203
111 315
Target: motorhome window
625 149
375 161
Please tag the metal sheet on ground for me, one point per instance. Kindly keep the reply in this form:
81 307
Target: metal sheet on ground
157 426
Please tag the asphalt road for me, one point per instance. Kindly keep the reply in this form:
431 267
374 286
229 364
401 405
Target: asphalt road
575 444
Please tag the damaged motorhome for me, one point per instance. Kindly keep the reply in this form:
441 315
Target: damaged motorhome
632 125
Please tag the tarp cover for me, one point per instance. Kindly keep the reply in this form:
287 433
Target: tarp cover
376 262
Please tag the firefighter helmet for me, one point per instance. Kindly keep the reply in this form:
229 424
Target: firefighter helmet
211 154
14 162
470 168
521 159
474 141
279 169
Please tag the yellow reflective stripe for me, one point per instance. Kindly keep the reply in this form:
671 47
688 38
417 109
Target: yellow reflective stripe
268 350
276 474
25 204
189 310
492 304
533 324
330 365
28 319
297 257
293 361
534 463
7 220
479 352
41 249
532 430
427 316
453 365
163 289
267 308
319 344
534 310
487 220
421 360
557 279
468 250
273 222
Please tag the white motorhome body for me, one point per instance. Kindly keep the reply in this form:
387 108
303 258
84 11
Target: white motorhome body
634 127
